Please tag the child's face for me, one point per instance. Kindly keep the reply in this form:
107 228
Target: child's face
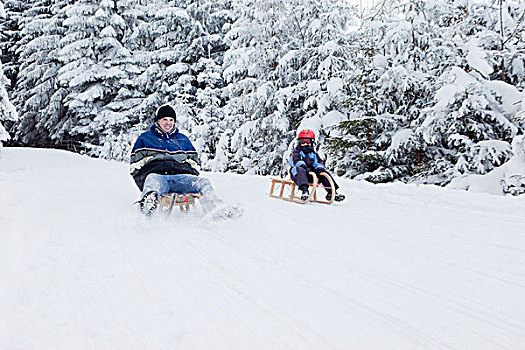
305 142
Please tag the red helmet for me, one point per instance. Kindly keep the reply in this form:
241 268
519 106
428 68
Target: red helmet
306 134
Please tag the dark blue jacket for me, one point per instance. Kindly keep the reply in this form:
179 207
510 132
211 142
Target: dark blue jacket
305 157
159 152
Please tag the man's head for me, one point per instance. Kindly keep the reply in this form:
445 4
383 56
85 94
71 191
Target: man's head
166 118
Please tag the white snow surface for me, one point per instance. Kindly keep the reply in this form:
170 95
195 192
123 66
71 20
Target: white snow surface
393 267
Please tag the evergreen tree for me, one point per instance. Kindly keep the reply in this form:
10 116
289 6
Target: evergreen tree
465 131
7 110
10 37
277 48
205 117
390 85
176 49
411 90
468 129
406 47
95 71
38 96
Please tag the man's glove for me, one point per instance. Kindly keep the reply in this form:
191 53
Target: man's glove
193 164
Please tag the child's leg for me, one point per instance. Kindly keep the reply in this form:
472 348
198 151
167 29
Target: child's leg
338 197
324 181
300 177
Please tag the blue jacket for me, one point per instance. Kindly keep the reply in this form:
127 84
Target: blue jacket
307 158
160 152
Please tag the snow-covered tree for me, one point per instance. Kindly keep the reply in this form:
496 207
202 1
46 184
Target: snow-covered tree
508 178
411 90
177 49
10 37
469 127
38 95
409 51
200 89
7 110
277 48
389 86
95 70
513 181
466 130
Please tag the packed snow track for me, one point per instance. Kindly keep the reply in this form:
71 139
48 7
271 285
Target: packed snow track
393 267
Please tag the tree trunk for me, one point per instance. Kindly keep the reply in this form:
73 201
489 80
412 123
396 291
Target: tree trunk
502 67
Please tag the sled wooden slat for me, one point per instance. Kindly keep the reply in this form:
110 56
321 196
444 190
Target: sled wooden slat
282 189
287 190
332 186
183 200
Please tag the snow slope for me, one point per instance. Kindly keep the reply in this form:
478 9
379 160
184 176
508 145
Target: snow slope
393 267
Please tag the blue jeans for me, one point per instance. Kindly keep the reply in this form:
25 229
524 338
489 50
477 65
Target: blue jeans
180 183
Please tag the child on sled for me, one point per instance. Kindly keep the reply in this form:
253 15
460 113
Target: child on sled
304 160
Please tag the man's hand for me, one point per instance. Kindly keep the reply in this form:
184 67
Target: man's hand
193 164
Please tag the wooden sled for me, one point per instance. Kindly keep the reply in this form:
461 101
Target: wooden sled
287 190
185 201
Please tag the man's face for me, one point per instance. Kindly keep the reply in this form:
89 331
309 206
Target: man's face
166 123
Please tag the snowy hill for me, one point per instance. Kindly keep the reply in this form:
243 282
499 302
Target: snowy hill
393 267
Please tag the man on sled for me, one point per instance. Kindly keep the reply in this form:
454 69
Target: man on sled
305 159
163 160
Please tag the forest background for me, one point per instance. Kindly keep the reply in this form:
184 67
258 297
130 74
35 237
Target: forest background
414 91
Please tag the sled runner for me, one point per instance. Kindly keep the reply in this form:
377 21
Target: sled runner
287 190
185 201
